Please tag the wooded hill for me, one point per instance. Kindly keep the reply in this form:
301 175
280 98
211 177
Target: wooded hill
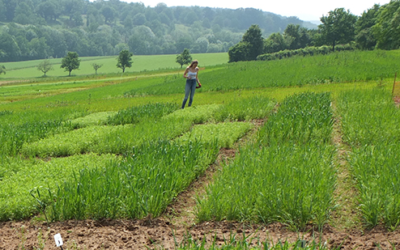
37 29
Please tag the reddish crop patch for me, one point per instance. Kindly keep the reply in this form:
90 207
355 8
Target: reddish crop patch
396 100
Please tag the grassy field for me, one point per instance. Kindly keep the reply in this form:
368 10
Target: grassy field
28 69
150 148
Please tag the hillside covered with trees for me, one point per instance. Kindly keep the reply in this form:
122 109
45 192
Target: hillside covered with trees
376 28
37 29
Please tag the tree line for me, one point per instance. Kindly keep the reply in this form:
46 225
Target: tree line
376 28
38 29
72 62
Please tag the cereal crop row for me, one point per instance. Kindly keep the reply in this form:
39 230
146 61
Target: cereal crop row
287 178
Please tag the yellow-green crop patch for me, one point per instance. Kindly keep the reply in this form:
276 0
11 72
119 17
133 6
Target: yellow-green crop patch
224 134
99 118
78 141
197 114
15 199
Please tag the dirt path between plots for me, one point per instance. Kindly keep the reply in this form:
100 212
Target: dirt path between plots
177 224
347 214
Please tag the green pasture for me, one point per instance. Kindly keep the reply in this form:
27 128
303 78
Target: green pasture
28 69
289 163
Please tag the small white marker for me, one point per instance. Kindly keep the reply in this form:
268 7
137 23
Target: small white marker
58 239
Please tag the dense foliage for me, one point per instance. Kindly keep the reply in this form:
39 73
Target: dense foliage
308 51
37 29
375 28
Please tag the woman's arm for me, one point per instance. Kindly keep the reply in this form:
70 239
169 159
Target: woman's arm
184 74
197 76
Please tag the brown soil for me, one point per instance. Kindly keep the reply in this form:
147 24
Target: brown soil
347 215
396 100
11 82
178 223
158 233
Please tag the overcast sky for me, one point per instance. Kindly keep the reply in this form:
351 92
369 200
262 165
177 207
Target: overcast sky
308 10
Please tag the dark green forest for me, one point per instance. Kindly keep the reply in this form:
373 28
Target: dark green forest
376 28
37 29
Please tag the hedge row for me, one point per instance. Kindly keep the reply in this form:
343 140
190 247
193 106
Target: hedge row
308 51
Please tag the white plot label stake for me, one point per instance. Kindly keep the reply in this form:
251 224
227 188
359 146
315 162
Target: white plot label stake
59 241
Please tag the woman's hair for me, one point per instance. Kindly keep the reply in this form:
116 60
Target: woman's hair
193 62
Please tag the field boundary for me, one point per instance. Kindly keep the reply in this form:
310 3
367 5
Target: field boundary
346 217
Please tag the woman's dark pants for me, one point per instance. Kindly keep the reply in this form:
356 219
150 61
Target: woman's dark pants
190 88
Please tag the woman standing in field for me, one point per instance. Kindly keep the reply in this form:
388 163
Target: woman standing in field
192 78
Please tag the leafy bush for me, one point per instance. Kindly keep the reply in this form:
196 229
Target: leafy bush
308 51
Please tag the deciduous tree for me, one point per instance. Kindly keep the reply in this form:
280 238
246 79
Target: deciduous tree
364 37
338 27
386 30
96 66
254 38
45 66
184 57
70 62
124 60
2 70
239 52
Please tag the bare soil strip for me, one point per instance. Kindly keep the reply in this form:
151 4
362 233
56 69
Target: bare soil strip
346 216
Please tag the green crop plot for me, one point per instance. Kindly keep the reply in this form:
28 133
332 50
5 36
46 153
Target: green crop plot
143 183
224 134
99 118
197 114
16 201
302 119
283 172
245 109
298 71
290 181
371 124
369 117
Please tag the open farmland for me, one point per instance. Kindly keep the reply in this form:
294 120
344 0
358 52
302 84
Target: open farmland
28 69
259 159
